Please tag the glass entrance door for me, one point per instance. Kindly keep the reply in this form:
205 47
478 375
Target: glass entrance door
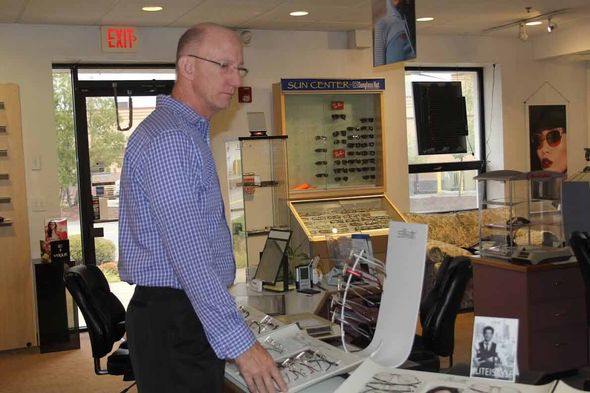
103 126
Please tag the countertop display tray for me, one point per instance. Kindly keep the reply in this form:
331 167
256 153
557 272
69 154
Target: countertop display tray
303 360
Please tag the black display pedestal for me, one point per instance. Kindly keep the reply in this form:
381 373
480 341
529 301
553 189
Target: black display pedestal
55 332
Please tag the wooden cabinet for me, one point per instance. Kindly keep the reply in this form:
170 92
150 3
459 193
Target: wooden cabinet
549 302
16 285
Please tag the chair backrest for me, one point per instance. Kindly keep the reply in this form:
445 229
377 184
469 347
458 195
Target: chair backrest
103 312
442 304
580 244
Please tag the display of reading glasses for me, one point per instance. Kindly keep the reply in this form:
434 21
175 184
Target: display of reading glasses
398 313
4 153
4 176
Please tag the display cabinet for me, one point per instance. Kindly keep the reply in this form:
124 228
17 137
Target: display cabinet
316 221
16 288
503 212
545 213
335 136
257 176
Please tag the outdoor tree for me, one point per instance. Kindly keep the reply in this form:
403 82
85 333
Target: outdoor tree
107 144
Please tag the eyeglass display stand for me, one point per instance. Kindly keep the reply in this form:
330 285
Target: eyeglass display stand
19 328
257 177
503 212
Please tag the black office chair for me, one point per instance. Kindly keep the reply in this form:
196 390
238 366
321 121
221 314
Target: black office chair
438 312
105 319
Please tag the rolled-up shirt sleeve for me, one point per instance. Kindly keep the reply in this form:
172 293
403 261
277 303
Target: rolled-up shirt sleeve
179 203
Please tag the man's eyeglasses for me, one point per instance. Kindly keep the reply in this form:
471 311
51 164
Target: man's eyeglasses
338 116
224 67
553 138
366 120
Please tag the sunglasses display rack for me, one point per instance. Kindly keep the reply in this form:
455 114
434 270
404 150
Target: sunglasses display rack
302 360
335 141
518 211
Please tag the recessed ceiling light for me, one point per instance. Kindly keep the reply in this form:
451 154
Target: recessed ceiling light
534 23
425 19
152 8
298 13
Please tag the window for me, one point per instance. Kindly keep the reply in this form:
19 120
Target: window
444 182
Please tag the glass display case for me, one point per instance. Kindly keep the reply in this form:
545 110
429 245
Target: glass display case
545 215
316 221
257 177
335 141
503 212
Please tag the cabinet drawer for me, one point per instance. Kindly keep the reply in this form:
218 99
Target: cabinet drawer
557 314
558 349
555 284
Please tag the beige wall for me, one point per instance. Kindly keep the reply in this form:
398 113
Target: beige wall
28 52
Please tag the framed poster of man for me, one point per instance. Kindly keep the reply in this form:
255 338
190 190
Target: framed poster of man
548 138
394 31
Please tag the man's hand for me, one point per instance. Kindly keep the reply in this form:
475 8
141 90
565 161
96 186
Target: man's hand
260 371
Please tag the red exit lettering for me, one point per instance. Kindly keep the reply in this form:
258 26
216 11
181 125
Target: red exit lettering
121 38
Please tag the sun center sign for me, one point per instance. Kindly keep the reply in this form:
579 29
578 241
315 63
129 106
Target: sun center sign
119 39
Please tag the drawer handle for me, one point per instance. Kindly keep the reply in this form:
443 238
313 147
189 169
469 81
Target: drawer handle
557 283
559 314
557 345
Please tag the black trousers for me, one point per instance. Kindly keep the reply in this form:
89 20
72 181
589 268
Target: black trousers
167 344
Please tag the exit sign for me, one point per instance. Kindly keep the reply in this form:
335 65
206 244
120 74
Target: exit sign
119 39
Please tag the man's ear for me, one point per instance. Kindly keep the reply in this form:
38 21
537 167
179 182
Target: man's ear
186 67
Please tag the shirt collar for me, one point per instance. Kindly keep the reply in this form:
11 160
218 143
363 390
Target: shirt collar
187 113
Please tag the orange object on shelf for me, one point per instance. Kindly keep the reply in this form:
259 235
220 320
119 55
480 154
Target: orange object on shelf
303 186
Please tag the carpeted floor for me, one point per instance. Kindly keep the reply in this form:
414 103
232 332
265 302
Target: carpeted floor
28 371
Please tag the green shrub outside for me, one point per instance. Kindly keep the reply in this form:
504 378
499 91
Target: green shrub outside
105 249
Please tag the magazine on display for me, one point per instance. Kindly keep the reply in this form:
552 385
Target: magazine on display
495 341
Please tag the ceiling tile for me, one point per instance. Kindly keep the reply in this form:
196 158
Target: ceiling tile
129 12
66 11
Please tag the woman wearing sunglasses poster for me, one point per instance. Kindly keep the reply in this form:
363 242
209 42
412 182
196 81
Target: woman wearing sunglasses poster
547 124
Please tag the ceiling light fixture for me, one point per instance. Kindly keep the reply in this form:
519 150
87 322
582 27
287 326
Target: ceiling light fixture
152 8
550 26
425 19
298 13
522 33
534 23
527 20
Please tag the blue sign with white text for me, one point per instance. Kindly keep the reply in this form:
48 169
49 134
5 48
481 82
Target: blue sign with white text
332 84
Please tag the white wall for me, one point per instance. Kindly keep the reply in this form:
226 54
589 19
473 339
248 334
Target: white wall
29 50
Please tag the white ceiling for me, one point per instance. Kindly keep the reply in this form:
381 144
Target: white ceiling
452 16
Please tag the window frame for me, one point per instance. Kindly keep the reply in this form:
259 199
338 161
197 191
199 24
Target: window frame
480 164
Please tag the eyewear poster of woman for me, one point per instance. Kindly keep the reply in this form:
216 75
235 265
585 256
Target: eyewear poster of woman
548 138
394 31
494 348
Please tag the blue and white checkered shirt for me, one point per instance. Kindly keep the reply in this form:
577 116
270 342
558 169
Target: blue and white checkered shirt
172 227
